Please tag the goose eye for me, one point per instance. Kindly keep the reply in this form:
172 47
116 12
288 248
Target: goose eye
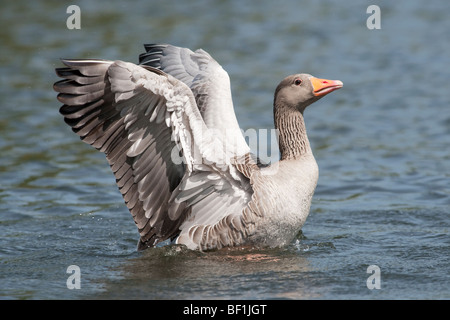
298 82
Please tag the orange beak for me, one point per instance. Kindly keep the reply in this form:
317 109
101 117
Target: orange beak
324 86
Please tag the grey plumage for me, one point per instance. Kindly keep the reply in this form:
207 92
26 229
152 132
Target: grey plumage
113 128
171 137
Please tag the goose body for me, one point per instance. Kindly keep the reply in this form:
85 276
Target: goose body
169 132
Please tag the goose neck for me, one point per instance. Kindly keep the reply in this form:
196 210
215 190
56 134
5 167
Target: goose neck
293 140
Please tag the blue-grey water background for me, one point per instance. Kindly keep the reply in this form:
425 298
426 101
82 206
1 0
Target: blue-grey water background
382 144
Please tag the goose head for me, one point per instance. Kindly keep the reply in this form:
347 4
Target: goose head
300 90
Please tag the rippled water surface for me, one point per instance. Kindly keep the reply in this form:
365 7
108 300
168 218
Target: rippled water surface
382 144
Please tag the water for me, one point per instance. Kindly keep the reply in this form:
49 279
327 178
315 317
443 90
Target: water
382 144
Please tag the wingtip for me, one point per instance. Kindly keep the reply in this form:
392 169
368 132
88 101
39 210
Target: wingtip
150 46
73 63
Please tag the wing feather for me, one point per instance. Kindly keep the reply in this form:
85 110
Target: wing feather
209 83
141 117
110 111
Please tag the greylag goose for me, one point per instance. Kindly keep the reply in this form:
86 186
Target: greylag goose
169 132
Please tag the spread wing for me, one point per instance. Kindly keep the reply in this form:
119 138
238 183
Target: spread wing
209 83
172 170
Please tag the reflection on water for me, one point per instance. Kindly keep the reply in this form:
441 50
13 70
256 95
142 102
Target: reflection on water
174 272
